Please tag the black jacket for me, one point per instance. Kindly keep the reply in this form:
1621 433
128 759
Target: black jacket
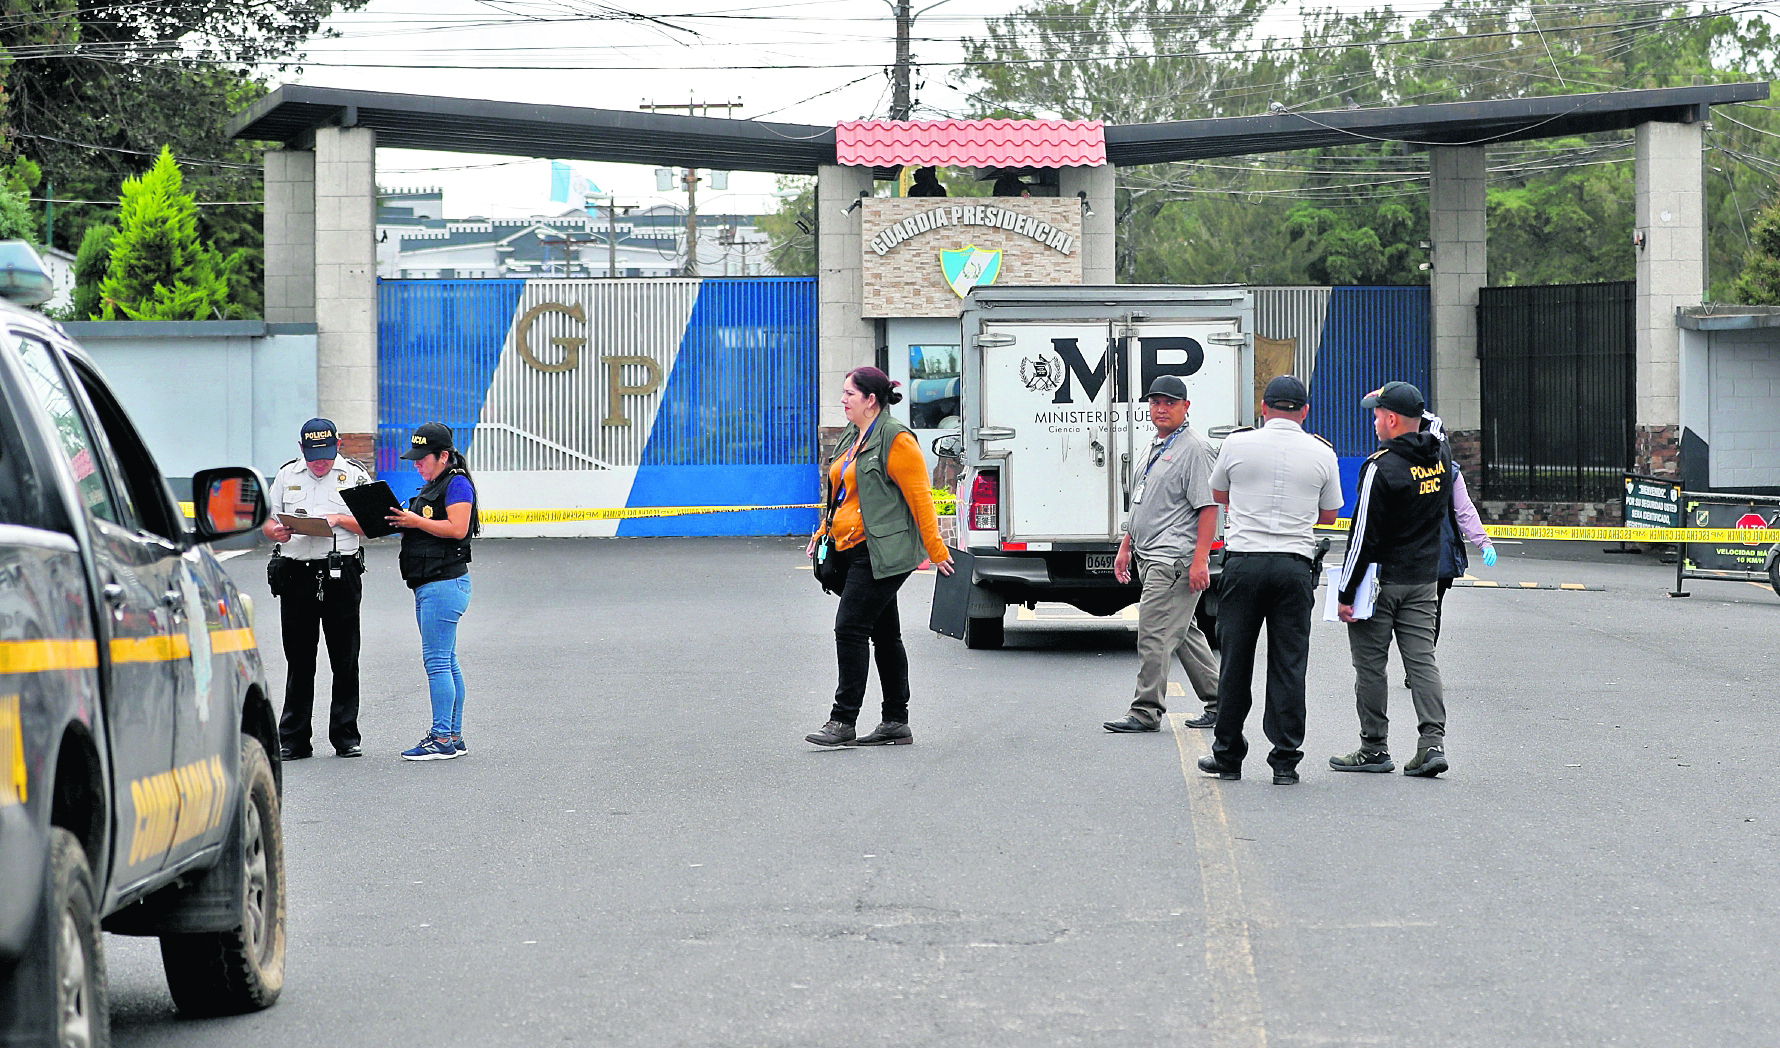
1403 501
428 558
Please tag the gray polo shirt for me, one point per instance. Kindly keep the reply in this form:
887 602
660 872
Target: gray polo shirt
1166 500
1278 478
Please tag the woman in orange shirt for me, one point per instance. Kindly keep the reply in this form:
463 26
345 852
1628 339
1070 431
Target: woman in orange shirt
882 527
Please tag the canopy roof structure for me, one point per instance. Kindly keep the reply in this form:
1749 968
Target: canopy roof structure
291 113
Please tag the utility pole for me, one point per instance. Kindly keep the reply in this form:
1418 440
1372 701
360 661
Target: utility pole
689 177
611 236
901 105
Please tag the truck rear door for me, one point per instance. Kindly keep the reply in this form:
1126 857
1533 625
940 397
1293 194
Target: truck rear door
1206 355
1049 396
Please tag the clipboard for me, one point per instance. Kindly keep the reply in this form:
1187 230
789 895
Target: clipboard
951 596
317 526
370 505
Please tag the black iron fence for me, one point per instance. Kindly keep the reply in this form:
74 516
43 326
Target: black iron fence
1559 371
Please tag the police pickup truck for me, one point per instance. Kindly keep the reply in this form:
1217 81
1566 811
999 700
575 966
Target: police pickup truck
139 775
1054 423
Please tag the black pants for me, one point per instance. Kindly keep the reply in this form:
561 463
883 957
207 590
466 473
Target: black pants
1277 590
867 621
304 619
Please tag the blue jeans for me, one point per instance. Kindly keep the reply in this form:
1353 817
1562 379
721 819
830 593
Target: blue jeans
437 607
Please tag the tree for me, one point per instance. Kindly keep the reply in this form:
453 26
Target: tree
159 269
17 220
791 230
91 263
1759 283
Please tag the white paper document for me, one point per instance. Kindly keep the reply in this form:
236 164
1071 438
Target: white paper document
1364 597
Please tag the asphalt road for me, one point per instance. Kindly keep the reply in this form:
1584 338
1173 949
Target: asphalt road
640 849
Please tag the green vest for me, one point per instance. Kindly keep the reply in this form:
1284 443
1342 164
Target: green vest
890 532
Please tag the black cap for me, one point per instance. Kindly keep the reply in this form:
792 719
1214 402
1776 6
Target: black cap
1400 397
429 438
1285 392
1167 386
320 440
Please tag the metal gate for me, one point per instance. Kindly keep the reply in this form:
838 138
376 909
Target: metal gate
1559 374
602 394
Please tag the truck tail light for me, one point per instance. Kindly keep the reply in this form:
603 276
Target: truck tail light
985 503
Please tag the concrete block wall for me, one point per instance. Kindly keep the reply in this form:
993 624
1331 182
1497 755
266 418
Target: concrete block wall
346 282
290 236
1669 213
908 281
1099 239
1744 389
848 340
1457 218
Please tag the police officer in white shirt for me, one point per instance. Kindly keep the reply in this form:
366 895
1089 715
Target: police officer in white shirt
316 580
1278 482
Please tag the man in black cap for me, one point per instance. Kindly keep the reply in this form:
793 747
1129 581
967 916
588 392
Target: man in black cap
1277 483
1169 535
316 580
1403 499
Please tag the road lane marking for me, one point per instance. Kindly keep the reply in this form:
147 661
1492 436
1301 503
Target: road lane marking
1229 959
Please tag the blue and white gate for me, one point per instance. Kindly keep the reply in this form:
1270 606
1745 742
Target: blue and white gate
578 395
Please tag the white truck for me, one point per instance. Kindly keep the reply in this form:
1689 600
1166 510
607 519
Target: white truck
1054 424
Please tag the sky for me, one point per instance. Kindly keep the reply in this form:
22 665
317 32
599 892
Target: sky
799 62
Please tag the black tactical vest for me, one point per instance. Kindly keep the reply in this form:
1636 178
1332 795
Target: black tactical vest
428 558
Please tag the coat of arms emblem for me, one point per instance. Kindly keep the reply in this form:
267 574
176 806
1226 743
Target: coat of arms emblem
969 267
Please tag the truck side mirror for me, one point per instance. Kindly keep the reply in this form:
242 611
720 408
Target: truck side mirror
227 501
949 446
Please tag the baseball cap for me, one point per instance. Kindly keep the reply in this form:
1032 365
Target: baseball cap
1285 391
429 438
320 440
1400 397
1167 386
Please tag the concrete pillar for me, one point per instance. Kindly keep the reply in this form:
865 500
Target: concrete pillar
346 284
1669 215
847 339
1457 220
290 236
1099 244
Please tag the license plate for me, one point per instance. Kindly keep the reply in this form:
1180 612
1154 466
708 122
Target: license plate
1101 562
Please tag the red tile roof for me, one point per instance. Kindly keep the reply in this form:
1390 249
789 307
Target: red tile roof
971 143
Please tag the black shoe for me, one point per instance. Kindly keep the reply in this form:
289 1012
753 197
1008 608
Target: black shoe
1210 766
1363 760
1285 777
1429 761
349 751
288 754
834 733
1130 723
1208 719
889 733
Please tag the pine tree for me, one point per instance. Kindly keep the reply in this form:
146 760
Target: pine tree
159 269
1759 284
91 263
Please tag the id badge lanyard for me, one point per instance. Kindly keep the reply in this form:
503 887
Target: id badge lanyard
1137 493
840 494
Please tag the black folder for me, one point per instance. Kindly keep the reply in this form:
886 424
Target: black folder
370 505
951 596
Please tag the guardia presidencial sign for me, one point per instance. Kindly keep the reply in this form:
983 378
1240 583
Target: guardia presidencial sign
922 255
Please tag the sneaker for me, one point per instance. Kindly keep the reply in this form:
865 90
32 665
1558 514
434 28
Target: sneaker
834 733
889 733
1208 719
1429 761
1363 760
457 743
431 748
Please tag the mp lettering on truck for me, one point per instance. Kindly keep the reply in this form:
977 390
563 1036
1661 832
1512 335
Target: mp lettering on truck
1188 356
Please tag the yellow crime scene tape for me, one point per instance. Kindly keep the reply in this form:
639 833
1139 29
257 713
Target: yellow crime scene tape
1748 536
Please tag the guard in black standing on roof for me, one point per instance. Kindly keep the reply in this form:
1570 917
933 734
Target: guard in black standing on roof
316 580
1278 483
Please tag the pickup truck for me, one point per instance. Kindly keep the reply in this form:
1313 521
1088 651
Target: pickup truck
139 771
1054 422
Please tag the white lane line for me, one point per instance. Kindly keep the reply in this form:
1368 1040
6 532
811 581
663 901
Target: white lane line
1236 998
231 554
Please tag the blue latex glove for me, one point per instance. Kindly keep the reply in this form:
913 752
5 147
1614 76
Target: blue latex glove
1489 556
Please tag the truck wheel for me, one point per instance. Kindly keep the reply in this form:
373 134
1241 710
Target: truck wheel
983 633
240 970
82 1015
1774 574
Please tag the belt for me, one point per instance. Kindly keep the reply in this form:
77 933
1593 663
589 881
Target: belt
1229 555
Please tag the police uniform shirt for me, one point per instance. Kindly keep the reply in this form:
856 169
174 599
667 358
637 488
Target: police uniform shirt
300 493
1279 477
1167 497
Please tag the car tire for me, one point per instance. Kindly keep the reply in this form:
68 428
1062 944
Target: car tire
242 969
984 633
74 954
1774 573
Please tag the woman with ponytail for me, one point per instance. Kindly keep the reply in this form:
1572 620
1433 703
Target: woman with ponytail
881 526
437 528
